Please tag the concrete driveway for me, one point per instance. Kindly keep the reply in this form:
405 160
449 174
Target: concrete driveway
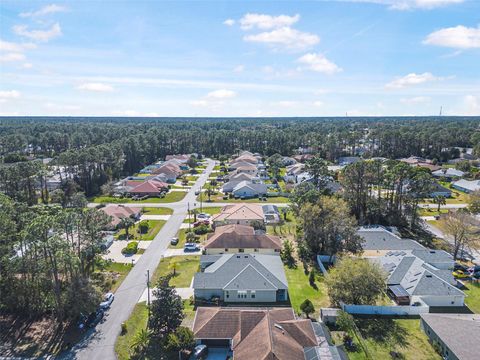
115 252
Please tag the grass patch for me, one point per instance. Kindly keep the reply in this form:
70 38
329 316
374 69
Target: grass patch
136 322
384 335
473 296
172 196
186 267
299 289
431 212
154 226
119 272
157 211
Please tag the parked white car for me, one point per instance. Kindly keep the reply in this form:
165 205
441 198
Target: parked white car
107 301
203 216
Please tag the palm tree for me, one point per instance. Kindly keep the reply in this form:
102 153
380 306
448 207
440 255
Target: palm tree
141 341
439 200
173 265
126 223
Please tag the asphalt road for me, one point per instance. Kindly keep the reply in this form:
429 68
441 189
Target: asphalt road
100 343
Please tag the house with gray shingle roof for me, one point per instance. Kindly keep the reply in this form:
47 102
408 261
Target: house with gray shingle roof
467 186
241 278
425 275
456 335
379 240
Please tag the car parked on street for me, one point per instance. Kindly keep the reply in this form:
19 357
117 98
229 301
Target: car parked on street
107 301
459 274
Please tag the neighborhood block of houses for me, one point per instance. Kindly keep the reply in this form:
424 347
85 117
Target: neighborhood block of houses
247 214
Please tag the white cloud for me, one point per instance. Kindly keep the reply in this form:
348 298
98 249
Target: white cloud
221 94
48 9
472 105
15 47
422 4
458 37
11 57
38 35
410 80
415 100
61 107
285 37
239 68
265 22
319 63
97 87
229 22
27 66
9 94
318 103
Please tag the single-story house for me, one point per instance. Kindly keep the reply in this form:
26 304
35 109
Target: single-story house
234 165
421 162
416 280
247 169
439 190
120 211
235 176
248 189
262 333
378 241
302 158
168 173
241 277
454 335
293 171
183 158
448 173
287 161
242 214
347 160
241 239
230 185
467 186
149 188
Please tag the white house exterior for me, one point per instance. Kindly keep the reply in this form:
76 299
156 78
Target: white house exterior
467 186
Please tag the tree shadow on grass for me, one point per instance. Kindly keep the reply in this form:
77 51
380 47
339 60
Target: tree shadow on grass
384 331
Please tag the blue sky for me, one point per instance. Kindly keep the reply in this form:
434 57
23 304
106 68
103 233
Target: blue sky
240 58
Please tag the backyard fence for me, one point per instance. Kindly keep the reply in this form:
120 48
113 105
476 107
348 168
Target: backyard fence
399 310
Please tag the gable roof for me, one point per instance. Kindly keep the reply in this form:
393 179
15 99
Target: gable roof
459 332
118 212
228 267
257 333
257 188
240 211
416 276
450 172
149 186
242 237
379 238
470 185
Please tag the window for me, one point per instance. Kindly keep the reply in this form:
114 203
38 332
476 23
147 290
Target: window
241 250
277 250
227 295
226 250
241 294
252 294
256 250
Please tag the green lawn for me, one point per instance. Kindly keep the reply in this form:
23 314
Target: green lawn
172 196
299 289
157 211
187 266
431 212
458 197
181 234
473 297
154 226
206 210
384 335
137 321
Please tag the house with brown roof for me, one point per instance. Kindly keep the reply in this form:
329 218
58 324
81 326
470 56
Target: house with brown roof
242 214
118 212
239 239
261 334
149 188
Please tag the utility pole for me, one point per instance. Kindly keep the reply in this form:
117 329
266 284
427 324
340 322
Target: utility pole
148 292
189 219
201 198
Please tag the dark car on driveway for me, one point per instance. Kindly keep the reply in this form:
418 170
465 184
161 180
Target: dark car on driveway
91 320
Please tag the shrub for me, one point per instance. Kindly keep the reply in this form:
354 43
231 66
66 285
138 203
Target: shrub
131 248
200 230
307 307
124 328
143 227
